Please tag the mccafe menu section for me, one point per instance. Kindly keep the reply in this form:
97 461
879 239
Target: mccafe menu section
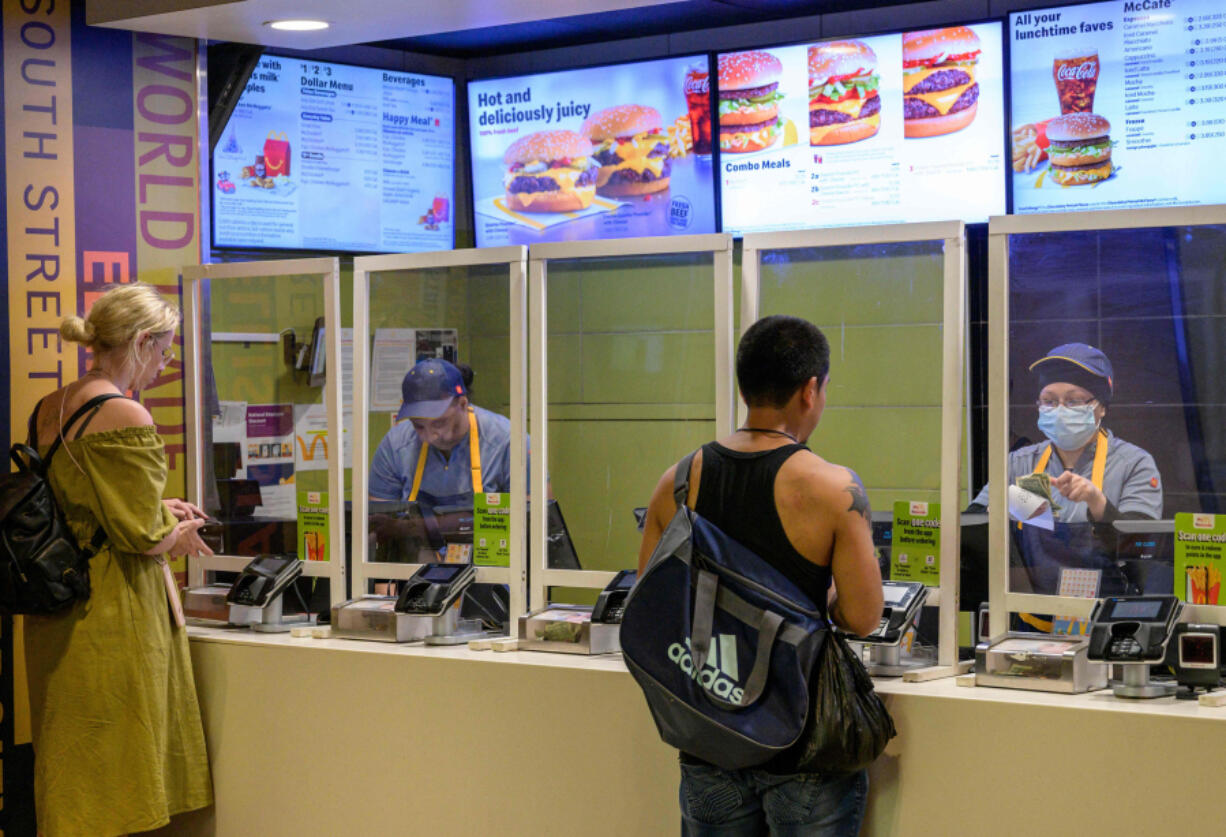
1118 105
308 137
885 129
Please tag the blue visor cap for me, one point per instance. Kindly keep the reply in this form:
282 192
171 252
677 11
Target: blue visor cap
1078 364
429 388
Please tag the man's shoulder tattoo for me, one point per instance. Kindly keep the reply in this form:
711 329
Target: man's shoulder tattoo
859 497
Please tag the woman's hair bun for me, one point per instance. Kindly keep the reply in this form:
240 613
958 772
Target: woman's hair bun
77 330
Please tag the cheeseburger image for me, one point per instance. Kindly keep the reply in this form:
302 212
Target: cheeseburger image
550 171
940 94
1080 149
843 101
632 149
748 100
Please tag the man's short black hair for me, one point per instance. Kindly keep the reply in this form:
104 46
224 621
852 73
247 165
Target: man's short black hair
777 356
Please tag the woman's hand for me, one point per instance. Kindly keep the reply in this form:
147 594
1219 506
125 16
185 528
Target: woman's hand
1080 490
183 510
183 540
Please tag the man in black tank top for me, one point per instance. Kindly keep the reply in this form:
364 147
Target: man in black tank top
810 519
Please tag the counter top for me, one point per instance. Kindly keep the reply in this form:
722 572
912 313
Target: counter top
946 689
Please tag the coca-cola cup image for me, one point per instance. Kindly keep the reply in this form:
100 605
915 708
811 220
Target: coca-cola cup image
698 101
1076 75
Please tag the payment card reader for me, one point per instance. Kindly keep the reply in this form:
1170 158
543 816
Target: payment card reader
1133 631
903 599
256 599
612 600
433 591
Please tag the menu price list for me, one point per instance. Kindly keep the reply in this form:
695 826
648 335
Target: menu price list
377 143
1157 77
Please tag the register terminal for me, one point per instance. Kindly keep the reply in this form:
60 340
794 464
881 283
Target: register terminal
902 600
1133 631
612 600
434 588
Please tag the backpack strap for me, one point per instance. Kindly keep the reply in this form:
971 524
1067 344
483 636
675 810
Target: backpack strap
92 403
681 479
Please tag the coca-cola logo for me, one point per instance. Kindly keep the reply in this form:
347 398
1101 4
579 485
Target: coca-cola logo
1085 71
697 83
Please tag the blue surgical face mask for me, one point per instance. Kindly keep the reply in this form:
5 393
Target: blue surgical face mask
1069 427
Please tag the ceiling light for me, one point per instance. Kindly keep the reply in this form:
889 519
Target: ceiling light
297 25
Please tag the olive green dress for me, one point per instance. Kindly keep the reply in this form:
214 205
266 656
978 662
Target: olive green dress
118 743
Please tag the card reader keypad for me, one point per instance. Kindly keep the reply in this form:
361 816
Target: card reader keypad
1125 647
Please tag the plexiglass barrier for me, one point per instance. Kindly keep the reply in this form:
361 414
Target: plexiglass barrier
440 378
1112 450
890 302
637 373
263 396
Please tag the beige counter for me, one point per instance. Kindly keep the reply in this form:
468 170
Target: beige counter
335 737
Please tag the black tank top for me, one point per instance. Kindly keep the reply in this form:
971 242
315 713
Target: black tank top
736 492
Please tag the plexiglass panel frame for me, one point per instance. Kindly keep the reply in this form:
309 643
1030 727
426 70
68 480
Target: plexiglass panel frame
719 246
516 261
194 279
1000 230
952 234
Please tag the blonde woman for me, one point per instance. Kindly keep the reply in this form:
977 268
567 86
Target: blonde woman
118 742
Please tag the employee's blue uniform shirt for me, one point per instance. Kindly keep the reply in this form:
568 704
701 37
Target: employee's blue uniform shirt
445 475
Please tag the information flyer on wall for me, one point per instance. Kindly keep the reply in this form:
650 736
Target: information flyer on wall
1118 105
1200 557
492 529
885 129
313 525
916 539
306 137
270 457
606 152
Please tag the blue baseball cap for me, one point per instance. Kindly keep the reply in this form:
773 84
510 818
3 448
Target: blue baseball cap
429 388
1078 364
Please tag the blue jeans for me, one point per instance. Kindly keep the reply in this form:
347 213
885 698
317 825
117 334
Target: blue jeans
754 803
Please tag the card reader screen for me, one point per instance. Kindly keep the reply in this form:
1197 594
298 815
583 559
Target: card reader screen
1137 610
894 595
442 574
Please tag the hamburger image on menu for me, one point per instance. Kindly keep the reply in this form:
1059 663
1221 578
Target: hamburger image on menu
940 94
843 102
1079 149
748 101
629 143
550 171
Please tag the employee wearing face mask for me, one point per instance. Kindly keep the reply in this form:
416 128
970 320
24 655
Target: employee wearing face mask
1095 476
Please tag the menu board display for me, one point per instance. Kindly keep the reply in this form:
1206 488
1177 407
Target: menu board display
1118 105
884 129
604 152
320 156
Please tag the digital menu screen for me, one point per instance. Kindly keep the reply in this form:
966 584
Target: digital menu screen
882 129
1118 105
604 152
320 156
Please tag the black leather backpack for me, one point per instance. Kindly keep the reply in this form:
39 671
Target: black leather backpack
43 568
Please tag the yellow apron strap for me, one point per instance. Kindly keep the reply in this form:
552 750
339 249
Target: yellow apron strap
1041 465
474 451
1100 461
421 469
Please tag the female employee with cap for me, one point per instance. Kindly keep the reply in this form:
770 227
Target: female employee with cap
1095 476
448 449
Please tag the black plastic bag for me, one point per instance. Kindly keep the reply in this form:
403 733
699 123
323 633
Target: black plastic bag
849 725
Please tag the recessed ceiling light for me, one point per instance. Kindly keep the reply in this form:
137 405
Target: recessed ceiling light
297 25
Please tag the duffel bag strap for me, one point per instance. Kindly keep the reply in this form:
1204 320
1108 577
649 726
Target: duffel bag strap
768 627
681 479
